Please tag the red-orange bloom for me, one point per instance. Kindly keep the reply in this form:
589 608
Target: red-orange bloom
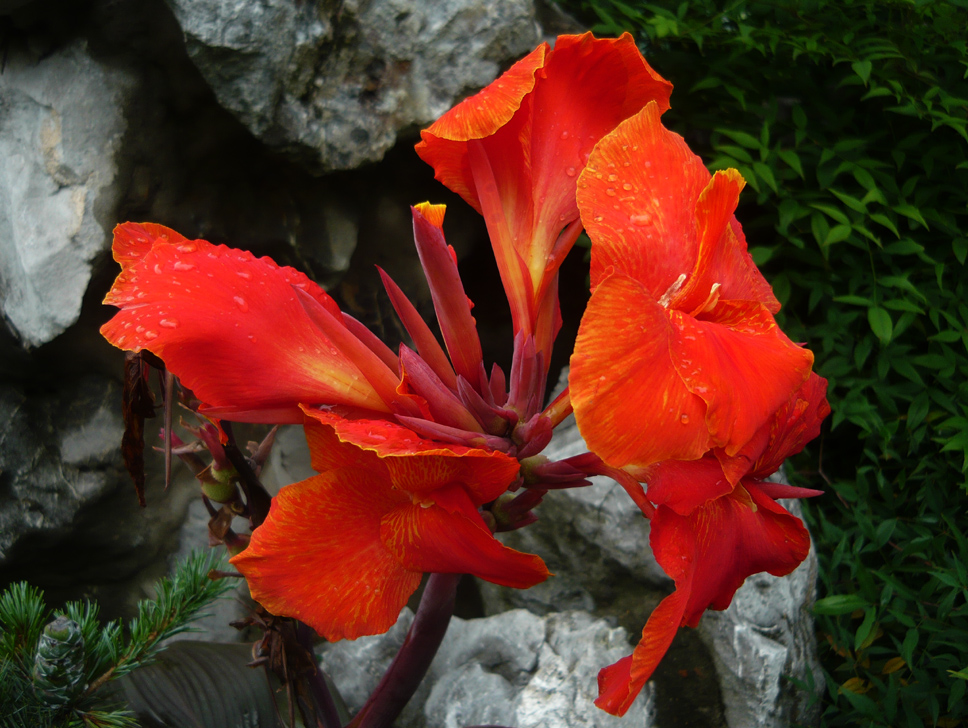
709 535
514 152
678 351
344 550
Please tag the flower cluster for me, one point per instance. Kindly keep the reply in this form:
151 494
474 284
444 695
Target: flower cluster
680 378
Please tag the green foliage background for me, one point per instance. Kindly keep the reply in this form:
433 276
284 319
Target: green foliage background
848 120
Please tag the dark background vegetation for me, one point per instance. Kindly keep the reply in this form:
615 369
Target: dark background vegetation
848 121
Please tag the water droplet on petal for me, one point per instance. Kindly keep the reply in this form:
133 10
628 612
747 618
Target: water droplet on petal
251 338
158 269
241 303
564 135
187 248
169 323
183 266
648 163
571 171
243 274
643 219
627 186
151 335
612 177
684 419
610 192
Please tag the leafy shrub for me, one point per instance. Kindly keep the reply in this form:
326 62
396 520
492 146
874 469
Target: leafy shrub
848 120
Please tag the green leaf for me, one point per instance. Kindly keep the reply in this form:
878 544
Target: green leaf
960 248
854 300
792 159
799 116
910 211
881 325
761 255
863 70
834 213
765 174
885 221
840 604
741 137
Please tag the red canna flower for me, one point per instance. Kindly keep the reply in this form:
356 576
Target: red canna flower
709 535
344 550
678 351
408 446
514 152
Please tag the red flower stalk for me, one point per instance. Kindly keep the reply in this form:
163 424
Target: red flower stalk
709 535
514 152
678 351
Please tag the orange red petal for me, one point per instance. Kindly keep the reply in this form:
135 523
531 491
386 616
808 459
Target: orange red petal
231 327
430 538
709 554
320 557
631 404
412 463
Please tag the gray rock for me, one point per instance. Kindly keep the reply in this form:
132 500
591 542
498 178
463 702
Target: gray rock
332 83
61 123
57 454
510 669
69 518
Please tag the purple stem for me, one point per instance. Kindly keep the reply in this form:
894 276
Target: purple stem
408 668
325 707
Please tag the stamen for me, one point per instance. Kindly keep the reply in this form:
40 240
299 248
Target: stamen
711 300
667 297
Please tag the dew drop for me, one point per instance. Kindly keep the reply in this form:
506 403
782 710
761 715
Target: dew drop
610 192
243 274
141 294
648 163
598 176
139 329
612 177
571 171
241 303
158 269
187 248
643 219
684 419
151 335
564 135
598 218
251 338
169 323
183 266
627 186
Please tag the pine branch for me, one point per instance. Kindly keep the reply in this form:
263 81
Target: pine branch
179 600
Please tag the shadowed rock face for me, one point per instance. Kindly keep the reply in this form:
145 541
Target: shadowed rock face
332 83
